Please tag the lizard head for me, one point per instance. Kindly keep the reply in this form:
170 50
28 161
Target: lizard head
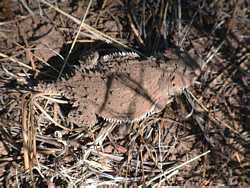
178 72
175 75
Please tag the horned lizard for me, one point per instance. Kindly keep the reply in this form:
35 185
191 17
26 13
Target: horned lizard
122 87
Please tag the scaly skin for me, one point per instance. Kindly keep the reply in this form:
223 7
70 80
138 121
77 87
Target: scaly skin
123 91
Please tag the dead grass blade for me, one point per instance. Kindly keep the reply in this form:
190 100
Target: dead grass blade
190 97
46 114
15 61
179 22
74 41
55 100
135 30
176 168
213 53
90 29
25 132
29 135
104 133
24 3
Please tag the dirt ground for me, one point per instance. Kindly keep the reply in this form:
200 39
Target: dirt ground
201 138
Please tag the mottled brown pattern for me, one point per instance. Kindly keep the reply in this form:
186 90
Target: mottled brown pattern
123 91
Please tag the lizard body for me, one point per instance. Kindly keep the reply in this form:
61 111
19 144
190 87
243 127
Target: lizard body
122 91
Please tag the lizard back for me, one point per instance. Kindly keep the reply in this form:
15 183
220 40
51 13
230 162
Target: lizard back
127 92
